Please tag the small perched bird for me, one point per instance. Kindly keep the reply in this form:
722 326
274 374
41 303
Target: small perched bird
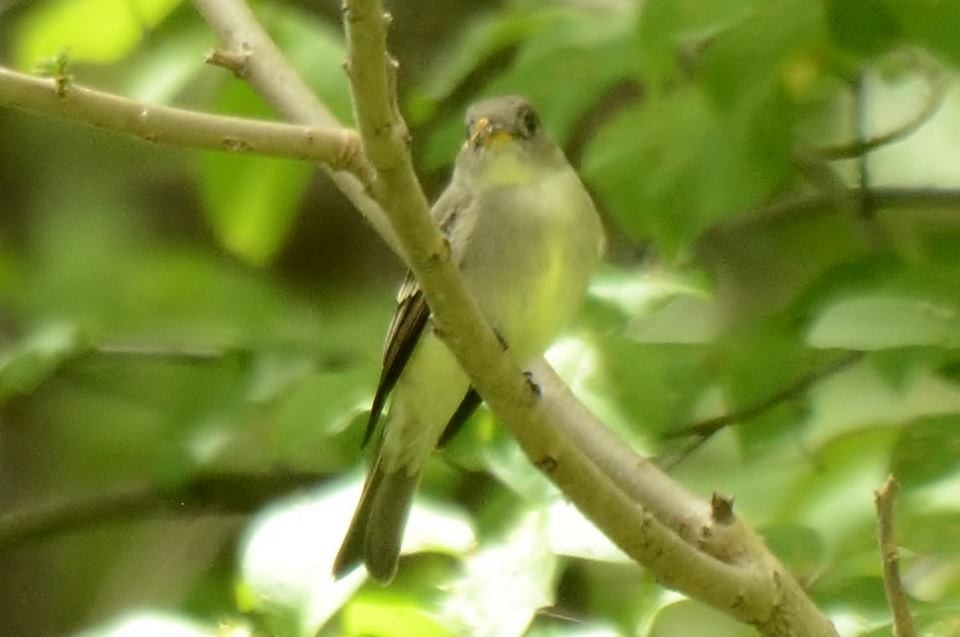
526 238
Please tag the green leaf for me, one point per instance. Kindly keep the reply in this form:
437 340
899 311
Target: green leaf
800 548
251 202
689 617
666 29
931 23
927 450
37 357
592 52
868 27
505 583
289 551
483 38
390 614
883 322
777 46
99 31
674 166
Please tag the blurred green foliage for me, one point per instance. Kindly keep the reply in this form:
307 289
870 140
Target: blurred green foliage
167 314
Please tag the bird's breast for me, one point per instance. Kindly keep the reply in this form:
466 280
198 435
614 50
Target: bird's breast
529 255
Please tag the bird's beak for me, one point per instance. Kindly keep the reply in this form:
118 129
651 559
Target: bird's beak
486 134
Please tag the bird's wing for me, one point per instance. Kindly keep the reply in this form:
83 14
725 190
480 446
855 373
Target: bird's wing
412 313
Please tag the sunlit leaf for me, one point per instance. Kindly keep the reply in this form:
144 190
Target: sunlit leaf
881 322
156 624
386 614
287 560
37 357
251 202
505 582
99 31
692 618
651 166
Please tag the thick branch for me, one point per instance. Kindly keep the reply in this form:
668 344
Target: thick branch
902 620
220 494
747 582
274 79
335 146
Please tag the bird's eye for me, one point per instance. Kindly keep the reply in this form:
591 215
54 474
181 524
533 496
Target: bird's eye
529 122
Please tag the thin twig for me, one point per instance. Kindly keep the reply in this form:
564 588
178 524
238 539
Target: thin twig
704 430
335 146
858 147
165 353
882 198
902 620
865 203
710 426
214 494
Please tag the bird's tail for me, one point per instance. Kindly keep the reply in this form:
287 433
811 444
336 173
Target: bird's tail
376 530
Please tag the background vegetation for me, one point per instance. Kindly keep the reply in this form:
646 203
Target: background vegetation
190 339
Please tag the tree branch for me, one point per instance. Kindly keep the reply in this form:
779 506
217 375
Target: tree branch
269 73
902 620
214 494
738 575
335 146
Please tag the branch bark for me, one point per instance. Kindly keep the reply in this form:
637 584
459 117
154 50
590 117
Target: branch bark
269 73
337 147
902 620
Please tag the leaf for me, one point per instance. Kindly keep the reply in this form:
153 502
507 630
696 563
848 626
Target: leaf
250 202
931 23
592 52
287 556
505 583
777 46
665 28
927 450
99 31
390 614
868 27
37 357
689 617
883 322
672 167
154 624
800 548
483 38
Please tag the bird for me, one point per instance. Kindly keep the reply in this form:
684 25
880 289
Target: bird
526 237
